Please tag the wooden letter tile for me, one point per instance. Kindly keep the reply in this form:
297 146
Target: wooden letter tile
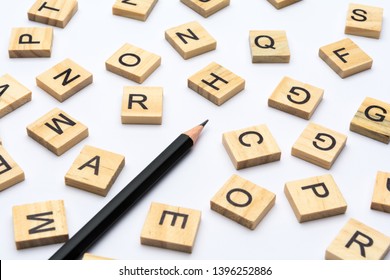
30 42
364 21
95 170
57 131
90 257
319 145
315 198
10 172
296 98
171 227
64 80
278 4
135 9
206 8
357 241
40 224
12 95
190 39
243 202
133 63
142 105
53 12
269 46
216 83
251 146
372 120
381 197
345 58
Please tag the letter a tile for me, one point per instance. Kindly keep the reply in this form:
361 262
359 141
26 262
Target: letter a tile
53 12
10 172
381 196
31 42
135 9
206 8
279 4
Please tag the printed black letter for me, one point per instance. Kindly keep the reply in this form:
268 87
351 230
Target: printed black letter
40 228
380 118
6 164
363 17
271 42
128 2
241 138
47 7
175 215
138 59
95 167
319 137
229 199
341 56
140 102
216 78
314 189
66 78
181 36
294 91
354 239
28 41
57 129
4 89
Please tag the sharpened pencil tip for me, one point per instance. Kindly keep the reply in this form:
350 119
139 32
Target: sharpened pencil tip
204 123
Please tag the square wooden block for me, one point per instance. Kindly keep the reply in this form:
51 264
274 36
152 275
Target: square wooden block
381 196
364 21
190 39
296 98
135 9
91 257
57 131
357 241
12 95
10 172
372 120
251 146
345 58
315 198
64 80
53 12
206 8
142 105
216 83
243 202
30 42
319 145
171 227
39 224
278 4
269 46
95 170
133 63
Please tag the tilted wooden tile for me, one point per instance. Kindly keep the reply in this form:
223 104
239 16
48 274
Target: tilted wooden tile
64 80
142 105
216 83
296 98
53 12
206 8
30 42
364 21
135 9
357 241
372 120
190 39
133 63
251 146
315 198
171 227
319 145
57 131
278 4
40 224
90 257
345 58
243 202
10 171
12 95
269 46
95 170
381 196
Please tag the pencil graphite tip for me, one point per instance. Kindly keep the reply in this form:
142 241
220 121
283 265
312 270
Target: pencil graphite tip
204 123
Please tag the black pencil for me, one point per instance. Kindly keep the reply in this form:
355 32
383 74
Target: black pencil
126 198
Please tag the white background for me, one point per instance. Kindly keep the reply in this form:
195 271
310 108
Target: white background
94 34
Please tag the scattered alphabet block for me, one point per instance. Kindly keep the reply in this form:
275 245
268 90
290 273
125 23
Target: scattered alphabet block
251 146
216 83
243 202
372 120
357 241
364 21
190 39
53 12
64 80
133 63
345 58
381 196
269 46
279 4
90 257
319 145
142 105
39 224
135 9
57 131
30 42
296 98
12 95
171 227
206 8
10 172
315 198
